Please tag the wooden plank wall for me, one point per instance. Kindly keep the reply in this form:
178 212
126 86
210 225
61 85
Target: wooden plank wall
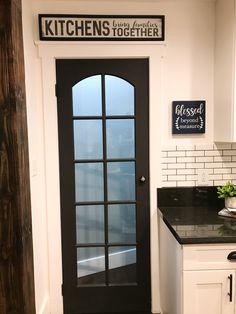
16 252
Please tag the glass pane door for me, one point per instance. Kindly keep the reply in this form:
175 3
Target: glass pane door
105 193
103 153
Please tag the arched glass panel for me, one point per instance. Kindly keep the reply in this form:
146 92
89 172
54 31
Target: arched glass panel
87 97
119 96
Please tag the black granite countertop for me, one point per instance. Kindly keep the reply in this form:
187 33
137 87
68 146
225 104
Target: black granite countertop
191 214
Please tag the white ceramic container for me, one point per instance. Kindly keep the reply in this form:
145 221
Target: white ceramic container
230 203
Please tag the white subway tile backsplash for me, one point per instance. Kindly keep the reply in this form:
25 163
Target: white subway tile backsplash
231 176
222 159
229 165
213 152
180 164
176 154
176 178
219 182
167 184
194 153
164 178
204 159
208 171
167 160
168 171
216 177
214 165
231 152
205 147
186 183
185 159
176 166
219 146
191 177
211 183
185 171
222 170
194 165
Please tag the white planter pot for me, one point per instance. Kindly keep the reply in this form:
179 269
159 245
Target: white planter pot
230 202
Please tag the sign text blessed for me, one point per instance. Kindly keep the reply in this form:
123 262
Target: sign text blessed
188 117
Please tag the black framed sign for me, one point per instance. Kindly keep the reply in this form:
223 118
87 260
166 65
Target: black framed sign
101 27
188 117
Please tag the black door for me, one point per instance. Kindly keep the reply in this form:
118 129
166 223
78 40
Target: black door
104 182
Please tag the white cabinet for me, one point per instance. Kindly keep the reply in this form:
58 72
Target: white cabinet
225 71
195 279
208 292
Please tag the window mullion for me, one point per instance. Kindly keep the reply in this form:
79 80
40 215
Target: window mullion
105 179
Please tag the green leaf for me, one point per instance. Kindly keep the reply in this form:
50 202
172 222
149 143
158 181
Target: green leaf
227 190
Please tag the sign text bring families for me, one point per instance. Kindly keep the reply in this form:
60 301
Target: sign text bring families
66 27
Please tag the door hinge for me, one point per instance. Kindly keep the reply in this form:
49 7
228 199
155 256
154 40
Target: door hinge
62 289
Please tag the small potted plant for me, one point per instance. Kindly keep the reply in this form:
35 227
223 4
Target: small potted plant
228 192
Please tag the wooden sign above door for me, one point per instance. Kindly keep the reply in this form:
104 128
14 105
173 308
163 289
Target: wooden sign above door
101 27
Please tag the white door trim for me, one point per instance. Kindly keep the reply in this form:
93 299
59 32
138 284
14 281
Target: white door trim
48 52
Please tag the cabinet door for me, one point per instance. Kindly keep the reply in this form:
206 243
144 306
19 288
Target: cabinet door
207 292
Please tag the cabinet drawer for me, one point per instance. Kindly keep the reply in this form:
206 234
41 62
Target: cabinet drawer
208 256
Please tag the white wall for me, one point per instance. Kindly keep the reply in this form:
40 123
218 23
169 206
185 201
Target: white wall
181 69
189 62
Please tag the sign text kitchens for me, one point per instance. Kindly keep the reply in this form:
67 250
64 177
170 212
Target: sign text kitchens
99 27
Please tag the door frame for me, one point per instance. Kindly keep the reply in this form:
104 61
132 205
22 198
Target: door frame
48 52
135 294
